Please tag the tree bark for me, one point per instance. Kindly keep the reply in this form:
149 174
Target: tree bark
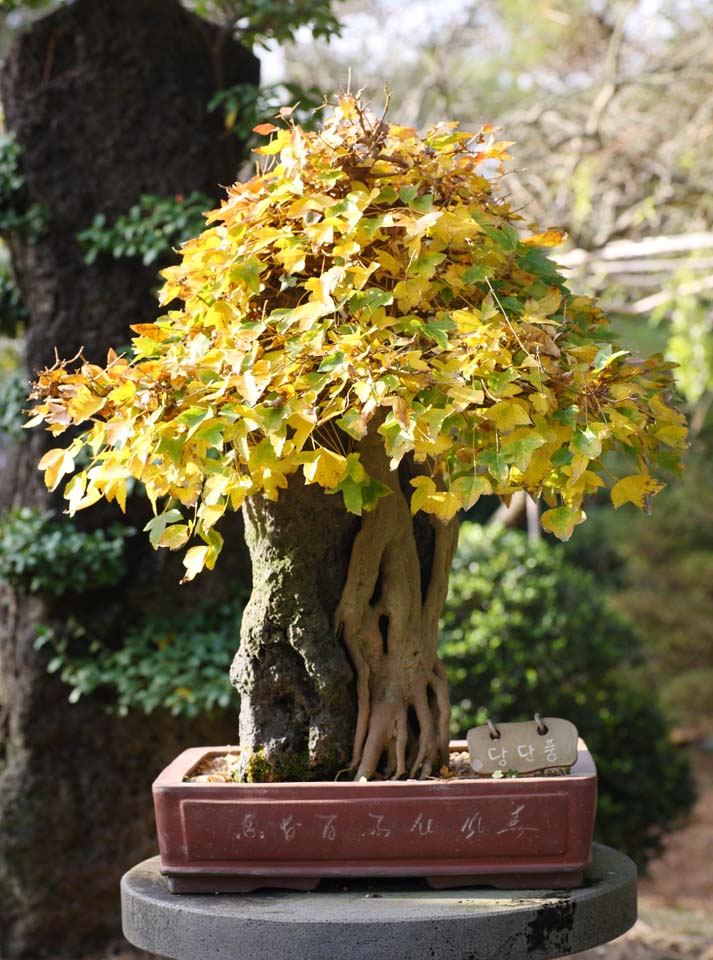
388 613
297 703
108 101
338 667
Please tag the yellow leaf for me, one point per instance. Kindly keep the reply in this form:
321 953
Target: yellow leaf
443 504
464 397
549 238
307 314
580 462
542 401
468 321
215 487
174 536
416 227
56 464
274 146
93 494
123 394
194 561
118 493
507 414
210 515
219 315
324 467
84 404
637 489
411 293
425 487
545 307
74 491
673 436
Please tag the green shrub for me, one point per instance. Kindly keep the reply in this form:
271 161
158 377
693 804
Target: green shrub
41 552
179 664
150 229
13 400
13 312
525 631
660 569
16 216
245 106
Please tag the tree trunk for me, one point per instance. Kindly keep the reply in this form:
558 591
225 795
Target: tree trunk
389 612
338 667
297 703
108 101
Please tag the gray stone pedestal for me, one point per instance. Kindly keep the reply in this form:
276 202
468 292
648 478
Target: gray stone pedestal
381 920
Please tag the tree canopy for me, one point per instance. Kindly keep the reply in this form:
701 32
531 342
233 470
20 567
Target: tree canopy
365 275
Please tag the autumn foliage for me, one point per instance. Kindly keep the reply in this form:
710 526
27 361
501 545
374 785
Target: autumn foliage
363 270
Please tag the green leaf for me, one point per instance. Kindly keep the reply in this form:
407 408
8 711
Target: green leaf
470 489
587 443
173 447
210 433
425 266
496 464
535 261
561 521
329 364
248 273
562 457
372 299
422 204
568 416
476 273
520 450
605 356
156 526
506 236
435 332
194 417
352 494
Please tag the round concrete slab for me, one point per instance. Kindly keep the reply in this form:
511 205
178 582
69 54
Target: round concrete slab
393 920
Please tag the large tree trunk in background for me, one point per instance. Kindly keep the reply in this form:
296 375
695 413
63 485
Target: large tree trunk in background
297 697
108 101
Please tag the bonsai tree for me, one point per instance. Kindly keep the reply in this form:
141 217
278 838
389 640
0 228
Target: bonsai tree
369 316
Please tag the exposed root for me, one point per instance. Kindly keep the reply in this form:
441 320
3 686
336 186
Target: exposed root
403 706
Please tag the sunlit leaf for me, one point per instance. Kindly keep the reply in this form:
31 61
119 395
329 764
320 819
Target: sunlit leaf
194 561
637 489
561 521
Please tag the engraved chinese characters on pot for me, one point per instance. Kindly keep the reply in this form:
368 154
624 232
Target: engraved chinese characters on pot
515 824
248 829
329 831
377 824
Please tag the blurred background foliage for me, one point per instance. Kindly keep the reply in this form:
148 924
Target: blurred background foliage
610 103
525 630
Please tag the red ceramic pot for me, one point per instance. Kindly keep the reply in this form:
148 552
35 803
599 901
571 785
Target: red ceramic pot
532 832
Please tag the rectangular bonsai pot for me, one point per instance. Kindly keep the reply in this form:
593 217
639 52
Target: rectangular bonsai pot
529 832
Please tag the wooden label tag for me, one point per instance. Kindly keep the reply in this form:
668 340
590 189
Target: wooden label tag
523 747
